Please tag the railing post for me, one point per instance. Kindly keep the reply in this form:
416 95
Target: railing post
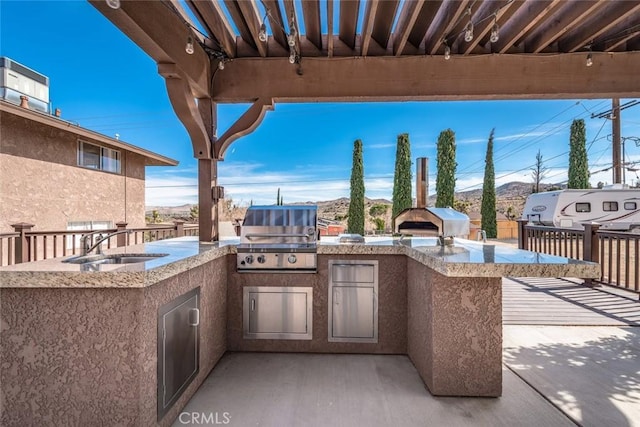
121 239
591 249
22 243
522 234
178 226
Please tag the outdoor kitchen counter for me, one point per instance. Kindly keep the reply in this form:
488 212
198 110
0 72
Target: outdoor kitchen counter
464 258
183 254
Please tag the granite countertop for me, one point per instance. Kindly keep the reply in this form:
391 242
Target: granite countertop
464 258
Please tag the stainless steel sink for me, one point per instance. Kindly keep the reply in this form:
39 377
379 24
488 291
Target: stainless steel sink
114 258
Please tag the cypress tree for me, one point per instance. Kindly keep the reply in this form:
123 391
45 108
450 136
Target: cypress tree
446 164
355 223
402 177
578 167
278 197
488 209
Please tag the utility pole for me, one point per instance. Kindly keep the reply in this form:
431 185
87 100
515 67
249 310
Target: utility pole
617 141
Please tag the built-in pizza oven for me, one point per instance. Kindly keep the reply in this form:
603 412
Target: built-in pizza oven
445 223
279 239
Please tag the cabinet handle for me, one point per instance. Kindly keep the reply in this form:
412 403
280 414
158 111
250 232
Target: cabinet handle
335 297
194 317
253 304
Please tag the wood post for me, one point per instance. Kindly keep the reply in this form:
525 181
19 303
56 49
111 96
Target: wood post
591 247
121 239
22 242
208 206
522 234
178 226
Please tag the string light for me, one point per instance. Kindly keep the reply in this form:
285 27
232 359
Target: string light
468 30
292 57
189 46
113 4
447 50
589 61
221 64
495 30
262 35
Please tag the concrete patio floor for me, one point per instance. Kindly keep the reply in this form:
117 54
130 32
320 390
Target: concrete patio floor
558 370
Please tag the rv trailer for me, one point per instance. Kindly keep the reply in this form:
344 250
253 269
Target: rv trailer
613 208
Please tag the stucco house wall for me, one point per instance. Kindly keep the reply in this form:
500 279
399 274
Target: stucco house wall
42 184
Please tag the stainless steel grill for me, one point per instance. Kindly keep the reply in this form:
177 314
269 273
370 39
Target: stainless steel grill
279 239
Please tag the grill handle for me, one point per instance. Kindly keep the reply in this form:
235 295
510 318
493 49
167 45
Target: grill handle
252 235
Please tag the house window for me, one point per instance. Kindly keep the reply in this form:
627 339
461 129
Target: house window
96 157
583 207
630 206
609 206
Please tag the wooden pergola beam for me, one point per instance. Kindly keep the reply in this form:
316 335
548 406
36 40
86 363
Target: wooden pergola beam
406 22
522 22
573 13
367 25
213 17
383 22
252 19
312 26
444 24
498 7
425 19
163 38
431 78
276 23
348 22
628 11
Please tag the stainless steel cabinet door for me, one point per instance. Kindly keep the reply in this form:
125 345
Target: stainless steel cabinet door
278 312
178 348
353 312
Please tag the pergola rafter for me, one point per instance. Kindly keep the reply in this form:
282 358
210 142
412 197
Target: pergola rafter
377 50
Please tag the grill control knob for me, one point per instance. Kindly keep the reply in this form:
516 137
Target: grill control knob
249 259
261 259
292 259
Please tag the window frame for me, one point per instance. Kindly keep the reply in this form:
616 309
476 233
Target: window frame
109 159
610 206
587 204
633 204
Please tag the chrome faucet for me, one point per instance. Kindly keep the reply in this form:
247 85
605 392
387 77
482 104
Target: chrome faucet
87 247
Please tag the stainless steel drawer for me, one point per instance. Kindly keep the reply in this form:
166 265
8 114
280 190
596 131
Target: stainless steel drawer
352 273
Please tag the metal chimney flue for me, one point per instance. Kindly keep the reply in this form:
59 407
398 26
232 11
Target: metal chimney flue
422 182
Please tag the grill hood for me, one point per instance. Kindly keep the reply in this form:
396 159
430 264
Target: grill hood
279 224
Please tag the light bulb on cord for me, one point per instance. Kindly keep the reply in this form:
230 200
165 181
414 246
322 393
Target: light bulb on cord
494 33
262 35
292 58
189 47
113 4
468 32
221 64
447 52
589 62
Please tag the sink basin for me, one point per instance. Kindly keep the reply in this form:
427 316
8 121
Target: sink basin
114 258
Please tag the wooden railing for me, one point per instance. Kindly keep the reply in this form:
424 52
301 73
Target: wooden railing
616 252
24 245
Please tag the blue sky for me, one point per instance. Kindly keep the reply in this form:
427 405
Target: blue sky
103 81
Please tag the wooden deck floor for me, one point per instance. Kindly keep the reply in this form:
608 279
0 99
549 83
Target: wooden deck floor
545 301
576 346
